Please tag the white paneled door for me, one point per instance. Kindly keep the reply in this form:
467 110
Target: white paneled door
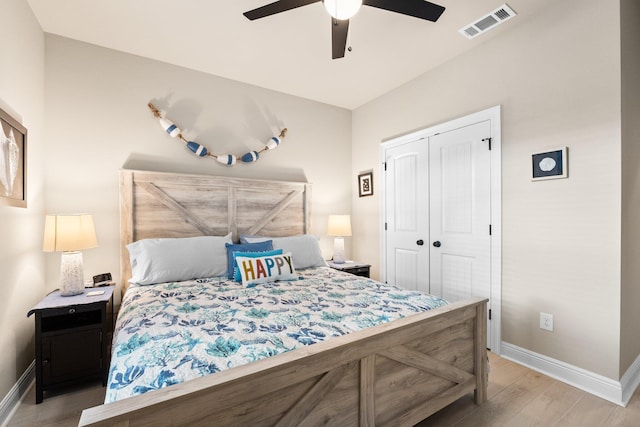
460 214
437 209
407 222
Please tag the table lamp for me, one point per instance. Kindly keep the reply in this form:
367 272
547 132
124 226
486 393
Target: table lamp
339 226
70 234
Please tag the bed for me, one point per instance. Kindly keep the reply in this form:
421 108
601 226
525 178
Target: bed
404 367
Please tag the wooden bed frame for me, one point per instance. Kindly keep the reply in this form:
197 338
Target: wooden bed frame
395 374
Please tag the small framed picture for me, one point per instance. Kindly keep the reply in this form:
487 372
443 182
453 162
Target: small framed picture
13 162
365 184
549 165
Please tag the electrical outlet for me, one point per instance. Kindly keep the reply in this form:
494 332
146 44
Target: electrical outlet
546 321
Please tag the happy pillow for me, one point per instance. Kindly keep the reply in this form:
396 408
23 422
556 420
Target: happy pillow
236 271
266 269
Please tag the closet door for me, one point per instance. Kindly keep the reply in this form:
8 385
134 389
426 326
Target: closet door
442 191
460 214
407 224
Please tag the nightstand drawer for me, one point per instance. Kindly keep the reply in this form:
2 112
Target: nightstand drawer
359 271
67 318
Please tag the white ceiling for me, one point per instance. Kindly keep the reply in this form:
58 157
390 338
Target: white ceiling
289 52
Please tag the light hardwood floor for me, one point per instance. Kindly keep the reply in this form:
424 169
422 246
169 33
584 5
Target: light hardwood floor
518 397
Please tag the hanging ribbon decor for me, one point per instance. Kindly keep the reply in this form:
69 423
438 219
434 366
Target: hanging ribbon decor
201 151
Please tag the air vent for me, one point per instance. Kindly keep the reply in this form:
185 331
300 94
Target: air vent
487 22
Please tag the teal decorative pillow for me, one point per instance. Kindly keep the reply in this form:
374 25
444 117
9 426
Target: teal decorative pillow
236 271
265 245
266 269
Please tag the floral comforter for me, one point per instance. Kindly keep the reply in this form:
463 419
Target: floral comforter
172 332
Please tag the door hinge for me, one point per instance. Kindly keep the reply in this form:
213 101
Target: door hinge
489 229
489 141
385 166
385 226
489 314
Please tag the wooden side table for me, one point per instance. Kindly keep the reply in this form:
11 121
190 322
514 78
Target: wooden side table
72 338
359 269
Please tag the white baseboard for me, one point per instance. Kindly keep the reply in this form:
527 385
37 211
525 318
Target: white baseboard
630 381
618 392
10 403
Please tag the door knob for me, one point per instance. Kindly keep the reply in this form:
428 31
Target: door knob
420 242
437 244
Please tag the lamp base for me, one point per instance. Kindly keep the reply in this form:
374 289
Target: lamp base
338 250
71 274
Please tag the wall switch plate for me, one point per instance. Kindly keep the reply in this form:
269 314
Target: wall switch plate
546 321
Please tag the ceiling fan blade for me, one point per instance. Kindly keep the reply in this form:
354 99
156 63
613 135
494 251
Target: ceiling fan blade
276 7
417 8
339 30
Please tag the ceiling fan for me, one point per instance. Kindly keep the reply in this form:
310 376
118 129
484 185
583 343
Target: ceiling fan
342 10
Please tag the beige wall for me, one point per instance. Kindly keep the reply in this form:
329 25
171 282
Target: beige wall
97 121
630 42
558 85
21 258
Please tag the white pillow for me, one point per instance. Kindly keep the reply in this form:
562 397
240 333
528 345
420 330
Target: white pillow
254 270
305 248
171 260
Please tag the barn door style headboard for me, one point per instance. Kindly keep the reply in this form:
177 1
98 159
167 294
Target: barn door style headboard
160 204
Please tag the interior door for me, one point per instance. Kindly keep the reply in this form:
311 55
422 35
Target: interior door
460 214
407 224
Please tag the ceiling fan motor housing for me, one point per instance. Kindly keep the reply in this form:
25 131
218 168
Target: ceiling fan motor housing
342 9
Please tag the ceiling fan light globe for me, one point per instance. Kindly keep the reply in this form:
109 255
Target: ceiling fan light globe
342 9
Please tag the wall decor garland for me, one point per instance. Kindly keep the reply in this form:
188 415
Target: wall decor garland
201 151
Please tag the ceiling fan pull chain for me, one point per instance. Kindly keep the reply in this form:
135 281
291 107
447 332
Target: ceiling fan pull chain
350 37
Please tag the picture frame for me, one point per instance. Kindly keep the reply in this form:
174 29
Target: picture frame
549 165
13 161
365 184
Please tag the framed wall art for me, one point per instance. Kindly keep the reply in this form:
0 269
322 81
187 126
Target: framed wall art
13 162
365 184
549 165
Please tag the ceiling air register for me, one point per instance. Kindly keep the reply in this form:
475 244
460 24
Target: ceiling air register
487 22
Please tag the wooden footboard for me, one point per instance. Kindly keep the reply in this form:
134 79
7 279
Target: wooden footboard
395 374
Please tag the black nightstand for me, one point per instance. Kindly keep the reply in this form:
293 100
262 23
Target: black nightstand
72 338
356 268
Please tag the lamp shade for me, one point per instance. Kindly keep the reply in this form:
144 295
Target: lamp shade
342 9
69 233
339 225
